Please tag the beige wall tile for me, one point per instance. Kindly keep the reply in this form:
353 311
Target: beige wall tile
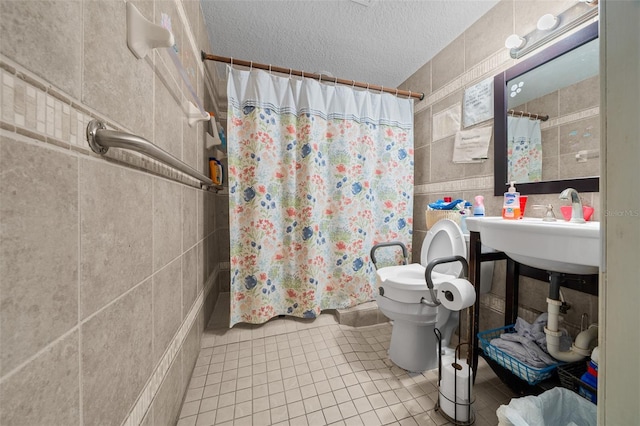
114 81
582 95
486 36
448 63
167 9
527 13
167 306
189 217
166 407
546 105
570 168
190 351
550 167
580 135
115 232
168 119
46 390
442 166
189 279
202 265
117 357
38 248
422 128
222 244
200 211
222 211
190 142
167 225
209 200
550 143
422 165
45 37
420 81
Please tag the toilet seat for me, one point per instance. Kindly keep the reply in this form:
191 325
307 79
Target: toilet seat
406 283
444 239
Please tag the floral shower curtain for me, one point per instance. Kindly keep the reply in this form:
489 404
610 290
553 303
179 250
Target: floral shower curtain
524 149
318 174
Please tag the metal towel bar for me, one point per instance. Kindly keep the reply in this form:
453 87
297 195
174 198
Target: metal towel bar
100 140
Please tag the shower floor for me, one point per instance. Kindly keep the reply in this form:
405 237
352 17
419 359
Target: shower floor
292 371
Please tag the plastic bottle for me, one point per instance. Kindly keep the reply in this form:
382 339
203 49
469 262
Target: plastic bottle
478 207
511 205
220 172
213 169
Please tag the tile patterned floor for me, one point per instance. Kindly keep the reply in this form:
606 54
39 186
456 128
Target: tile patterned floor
291 371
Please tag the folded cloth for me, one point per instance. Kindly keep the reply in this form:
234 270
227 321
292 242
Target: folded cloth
534 352
516 350
536 333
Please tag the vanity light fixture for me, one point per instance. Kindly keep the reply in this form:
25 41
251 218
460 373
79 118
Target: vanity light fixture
514 41
548 22
550 27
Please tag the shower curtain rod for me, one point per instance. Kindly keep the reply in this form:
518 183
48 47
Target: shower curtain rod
540 117
320 77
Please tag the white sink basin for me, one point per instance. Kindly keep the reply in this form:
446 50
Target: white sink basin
572 248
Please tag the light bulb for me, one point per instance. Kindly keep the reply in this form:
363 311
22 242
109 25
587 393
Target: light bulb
514 41
547 22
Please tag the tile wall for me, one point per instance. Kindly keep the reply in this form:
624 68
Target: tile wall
474 56
109 266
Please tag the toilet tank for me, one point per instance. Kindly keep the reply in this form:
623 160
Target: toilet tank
486 268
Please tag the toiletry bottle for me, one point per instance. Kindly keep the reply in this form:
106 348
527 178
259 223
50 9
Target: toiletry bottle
511 205
213 169
220 173
478 207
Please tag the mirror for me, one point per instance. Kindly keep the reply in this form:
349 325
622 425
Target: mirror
547 124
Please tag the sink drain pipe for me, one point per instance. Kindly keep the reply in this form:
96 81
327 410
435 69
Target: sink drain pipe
585 341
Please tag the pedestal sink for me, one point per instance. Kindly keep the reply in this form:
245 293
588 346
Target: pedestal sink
560 246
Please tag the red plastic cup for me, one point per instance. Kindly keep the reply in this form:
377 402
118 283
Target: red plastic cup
523 204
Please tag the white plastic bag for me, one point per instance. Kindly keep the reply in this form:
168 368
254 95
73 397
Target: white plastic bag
555 407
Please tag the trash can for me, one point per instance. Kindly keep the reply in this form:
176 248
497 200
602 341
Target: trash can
557 406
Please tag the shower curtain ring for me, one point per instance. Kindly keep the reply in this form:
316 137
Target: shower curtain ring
320 79
353 83
269 68
251 66
409 94
396 91
381 89
290 72
302 72
232 62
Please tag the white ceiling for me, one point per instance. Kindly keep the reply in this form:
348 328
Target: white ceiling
383 43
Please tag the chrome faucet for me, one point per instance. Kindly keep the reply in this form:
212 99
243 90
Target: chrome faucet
576 204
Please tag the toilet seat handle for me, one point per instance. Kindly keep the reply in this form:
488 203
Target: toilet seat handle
448 259
389 244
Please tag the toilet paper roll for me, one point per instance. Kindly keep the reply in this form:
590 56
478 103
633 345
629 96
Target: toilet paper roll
455 401
456 294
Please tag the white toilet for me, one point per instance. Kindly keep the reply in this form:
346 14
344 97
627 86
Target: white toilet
401 291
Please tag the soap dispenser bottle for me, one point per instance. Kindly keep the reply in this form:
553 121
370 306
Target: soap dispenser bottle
511 205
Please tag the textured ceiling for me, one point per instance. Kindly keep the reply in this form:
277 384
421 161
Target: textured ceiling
383 43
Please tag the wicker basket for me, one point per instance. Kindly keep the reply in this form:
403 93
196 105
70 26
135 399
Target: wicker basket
435 215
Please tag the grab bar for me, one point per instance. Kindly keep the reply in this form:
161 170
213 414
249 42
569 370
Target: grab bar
100 140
